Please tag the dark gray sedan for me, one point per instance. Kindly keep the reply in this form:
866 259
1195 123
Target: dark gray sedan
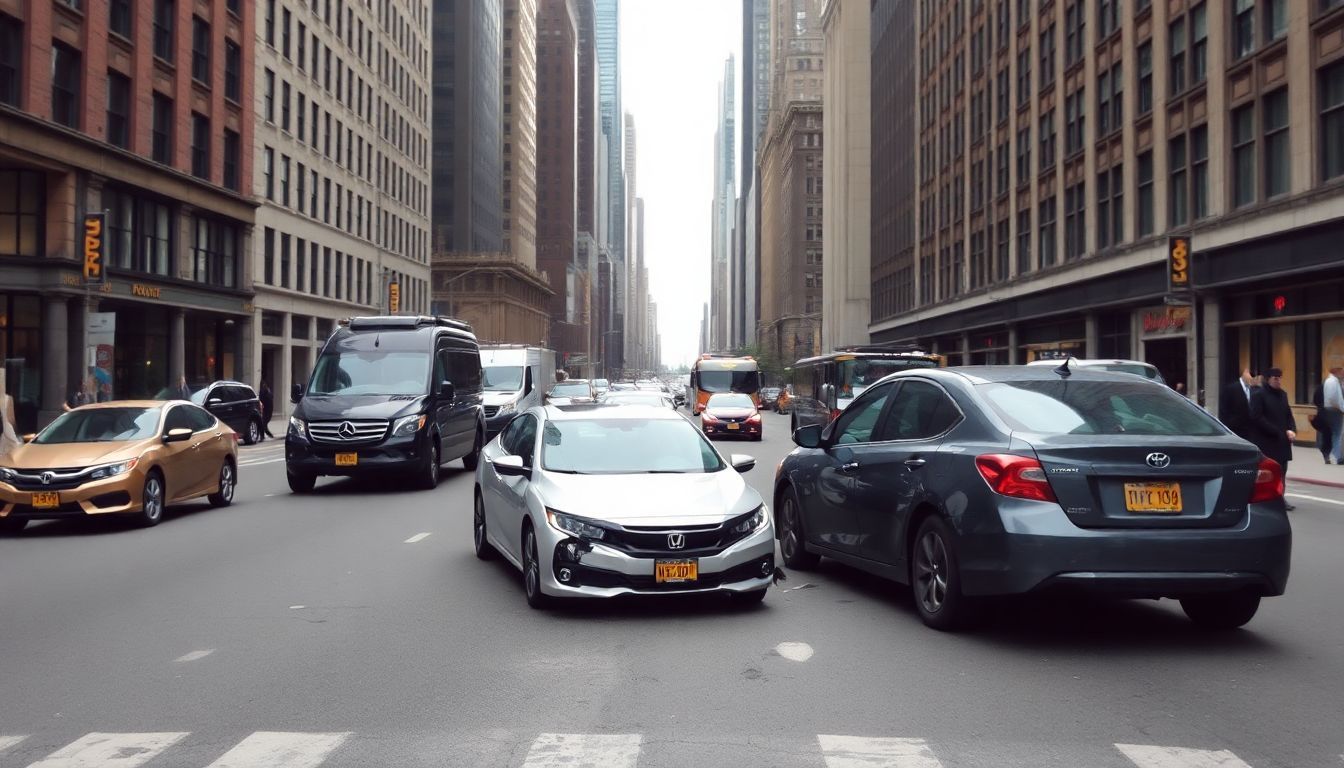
980 481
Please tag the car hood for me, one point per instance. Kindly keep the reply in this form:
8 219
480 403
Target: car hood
489 398
690 499
340 407
70 455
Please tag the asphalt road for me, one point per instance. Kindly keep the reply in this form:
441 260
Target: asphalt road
354 627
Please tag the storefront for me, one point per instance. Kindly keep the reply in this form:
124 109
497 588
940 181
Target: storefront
1167 335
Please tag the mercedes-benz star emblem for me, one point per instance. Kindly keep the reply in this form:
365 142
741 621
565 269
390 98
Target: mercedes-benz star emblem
676 541
1158 460
47 477
346 430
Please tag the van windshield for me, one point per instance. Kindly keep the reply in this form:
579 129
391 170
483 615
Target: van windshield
503 378
371 373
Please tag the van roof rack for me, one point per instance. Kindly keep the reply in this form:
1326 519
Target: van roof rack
889 347
404 322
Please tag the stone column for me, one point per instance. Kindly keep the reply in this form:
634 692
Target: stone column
965 349
1013 353
177 345
56 379
285 376
1092 344
1211 374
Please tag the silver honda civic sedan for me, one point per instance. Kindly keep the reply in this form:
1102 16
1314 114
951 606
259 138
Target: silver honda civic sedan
601 500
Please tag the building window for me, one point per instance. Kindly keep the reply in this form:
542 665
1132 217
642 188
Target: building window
284 105
1048 56
1243 156
232 151
65 72
285 22
1075 221
1047 242
1199 171
1199 44
1276 19
268 171
1023 242
284 180
1074 36
119 18
1332 121
140 232
165 41
200 146
118 109
301 192
1243 28
163 129
200 50
268 96
11 59
1176 44
1178 191
1278 172
1145 213
1023 77
22 212
1075 104
1110 207
1145 54
1048 140
285 242
214 253
268 248
233 69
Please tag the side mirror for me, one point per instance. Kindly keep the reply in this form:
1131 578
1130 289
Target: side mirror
808 436
743 463
214 401
30 437
177 435
447 391
296 393
512 466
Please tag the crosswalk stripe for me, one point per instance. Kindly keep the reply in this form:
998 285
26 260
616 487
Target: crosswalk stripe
275 749
581 750
862 752
1149 756
8 741
110 750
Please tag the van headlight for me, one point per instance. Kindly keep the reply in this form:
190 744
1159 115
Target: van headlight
508 407
298 427
754 521
573 525
409 425
112 470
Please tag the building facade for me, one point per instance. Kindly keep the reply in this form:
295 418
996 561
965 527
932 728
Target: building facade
754 110
614 197
723 213
145 115
1062 149
520 130
343 150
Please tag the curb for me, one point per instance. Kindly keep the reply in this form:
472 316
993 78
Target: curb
1314 481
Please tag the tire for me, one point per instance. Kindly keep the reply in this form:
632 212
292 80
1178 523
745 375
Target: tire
1221 612
301 483
471 460
483 549
747 599
11 526
792 535
935 578
427 478
253 434
536 598
228 483
152 500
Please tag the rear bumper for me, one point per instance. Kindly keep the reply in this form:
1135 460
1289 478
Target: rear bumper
722 430
1039 549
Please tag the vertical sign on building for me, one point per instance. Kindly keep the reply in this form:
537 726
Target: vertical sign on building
393 298
1178 265
95 240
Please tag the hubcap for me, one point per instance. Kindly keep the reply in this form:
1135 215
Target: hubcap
153 498
533 570
226 483
931 572
253 431
478 530
790 543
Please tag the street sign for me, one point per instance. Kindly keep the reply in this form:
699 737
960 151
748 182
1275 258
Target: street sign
393 298
1178 264
95 248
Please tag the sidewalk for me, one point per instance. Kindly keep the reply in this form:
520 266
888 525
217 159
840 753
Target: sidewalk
1307 467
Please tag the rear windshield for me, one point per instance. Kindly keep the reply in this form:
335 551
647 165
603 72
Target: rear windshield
1148 372
571 389
1097 408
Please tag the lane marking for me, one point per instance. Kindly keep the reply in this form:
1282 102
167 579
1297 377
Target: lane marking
260 462
1315 498
110 750
417 537
275 749
862 752
795 651
582 750
8 741
193 656
297 607
1149 756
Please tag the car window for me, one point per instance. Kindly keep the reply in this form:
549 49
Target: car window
525 443
199 419
243 392
509 434
178 419
921 410
858 421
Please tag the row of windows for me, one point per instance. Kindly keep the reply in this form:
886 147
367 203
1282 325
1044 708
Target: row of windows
320 270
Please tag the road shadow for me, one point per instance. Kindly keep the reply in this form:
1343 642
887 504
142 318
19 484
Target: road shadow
100 525
382 484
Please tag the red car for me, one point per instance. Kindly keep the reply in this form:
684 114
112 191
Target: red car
731 414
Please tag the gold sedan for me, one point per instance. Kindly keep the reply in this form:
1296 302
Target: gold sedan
128 458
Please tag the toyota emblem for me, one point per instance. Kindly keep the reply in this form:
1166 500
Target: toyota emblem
1158 460
676 541
346 430
47 477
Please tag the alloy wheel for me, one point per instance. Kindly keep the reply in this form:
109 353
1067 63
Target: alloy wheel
152 501
253 432
789 535
531 568
478 529
931 572
226 482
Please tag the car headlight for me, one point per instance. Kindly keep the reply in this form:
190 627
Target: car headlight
112 470
755 522
298 426
508 407
573 525
409 425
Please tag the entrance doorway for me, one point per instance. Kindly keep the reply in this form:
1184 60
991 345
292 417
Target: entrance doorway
1170 358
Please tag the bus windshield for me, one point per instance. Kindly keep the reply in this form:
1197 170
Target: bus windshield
730 381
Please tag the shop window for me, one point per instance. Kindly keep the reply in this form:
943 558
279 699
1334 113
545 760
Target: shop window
23 197
1308 360
140 232
214 252
21 350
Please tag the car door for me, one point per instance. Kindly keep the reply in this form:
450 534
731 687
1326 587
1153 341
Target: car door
894 472
513 490
212 443
180 460
443 406
493 487
829 515
222 402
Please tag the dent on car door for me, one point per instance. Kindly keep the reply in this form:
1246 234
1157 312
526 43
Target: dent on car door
830 516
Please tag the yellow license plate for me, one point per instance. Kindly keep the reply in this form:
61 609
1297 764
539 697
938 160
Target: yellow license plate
672 571
347 459
47 500
1153 498
734 426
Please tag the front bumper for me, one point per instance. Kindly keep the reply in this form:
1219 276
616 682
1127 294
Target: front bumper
1039 548
108 496
745 566
394 454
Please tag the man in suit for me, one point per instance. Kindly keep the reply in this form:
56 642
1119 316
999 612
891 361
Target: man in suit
1272 420
1234 406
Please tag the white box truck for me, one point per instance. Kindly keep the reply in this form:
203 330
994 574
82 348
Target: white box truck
516 378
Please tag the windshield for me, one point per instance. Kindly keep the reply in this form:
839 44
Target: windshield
635 398
601 383
1098 408
371 373
730 381
503 378
627 446
730 401
857 375
571 389
101 425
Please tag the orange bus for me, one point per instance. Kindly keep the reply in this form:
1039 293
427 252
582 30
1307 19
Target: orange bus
712 374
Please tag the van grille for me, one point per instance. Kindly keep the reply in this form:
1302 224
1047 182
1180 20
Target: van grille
348 432
491 411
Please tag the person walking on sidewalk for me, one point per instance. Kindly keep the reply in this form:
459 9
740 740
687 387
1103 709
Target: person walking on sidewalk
1234 407
1330 410
1272 420
267 398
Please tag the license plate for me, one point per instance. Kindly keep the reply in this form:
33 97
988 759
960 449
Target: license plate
347 459
672 571
734 426
46 500
1153 498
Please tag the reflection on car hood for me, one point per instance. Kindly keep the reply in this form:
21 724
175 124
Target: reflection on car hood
689 499
70 455
489 398
334 407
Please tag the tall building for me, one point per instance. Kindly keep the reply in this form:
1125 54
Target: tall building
791 185
590 253
754 110
520 130
724 212
845 271
149 119
343 143
1071 159
634 331
607 22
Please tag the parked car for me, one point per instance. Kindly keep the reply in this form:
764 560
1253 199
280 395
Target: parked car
601 386
655 399
571 392
1136 367
769 396
553 497
970 483
731 414
129 458
235 404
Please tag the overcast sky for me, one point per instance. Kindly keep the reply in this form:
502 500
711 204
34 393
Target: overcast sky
672 54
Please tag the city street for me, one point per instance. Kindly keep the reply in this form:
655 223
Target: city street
354 627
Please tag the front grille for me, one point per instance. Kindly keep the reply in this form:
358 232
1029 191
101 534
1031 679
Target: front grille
698 540
491 411
63 479
599 577
348 432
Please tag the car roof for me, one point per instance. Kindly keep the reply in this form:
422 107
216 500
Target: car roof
990 374
132 404
1091 361
607 411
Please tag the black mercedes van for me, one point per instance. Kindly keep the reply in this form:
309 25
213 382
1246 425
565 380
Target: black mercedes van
388 394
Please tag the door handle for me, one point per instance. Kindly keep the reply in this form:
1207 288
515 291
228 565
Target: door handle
914 463
849 467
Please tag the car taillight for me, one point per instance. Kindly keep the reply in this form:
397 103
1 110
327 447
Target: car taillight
1016 476
1268 481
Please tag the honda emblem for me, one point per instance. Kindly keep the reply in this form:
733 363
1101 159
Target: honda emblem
676 541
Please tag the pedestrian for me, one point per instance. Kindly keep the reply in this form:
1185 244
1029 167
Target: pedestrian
80 396
267 398
1272 419
183 391
1234 406
1330 411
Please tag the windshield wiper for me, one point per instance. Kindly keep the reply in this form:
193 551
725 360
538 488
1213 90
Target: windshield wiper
666 472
